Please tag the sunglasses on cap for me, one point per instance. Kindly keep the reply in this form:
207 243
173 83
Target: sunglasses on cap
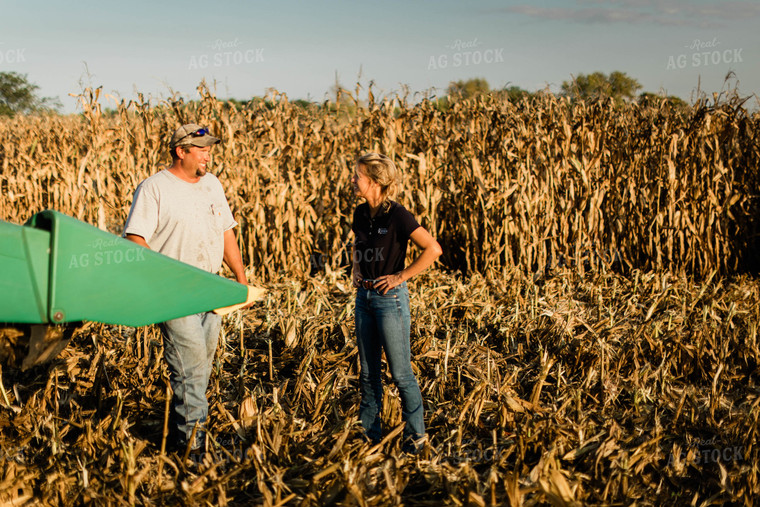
198 133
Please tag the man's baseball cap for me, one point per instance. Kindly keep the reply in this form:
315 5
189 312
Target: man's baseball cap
193 135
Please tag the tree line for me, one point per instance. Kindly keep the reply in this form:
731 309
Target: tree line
597 85
20 96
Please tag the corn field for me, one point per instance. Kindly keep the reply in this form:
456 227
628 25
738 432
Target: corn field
588 337
529 186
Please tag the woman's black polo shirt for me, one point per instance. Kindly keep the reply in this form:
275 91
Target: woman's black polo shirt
380 246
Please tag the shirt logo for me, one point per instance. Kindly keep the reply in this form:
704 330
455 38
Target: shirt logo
382 230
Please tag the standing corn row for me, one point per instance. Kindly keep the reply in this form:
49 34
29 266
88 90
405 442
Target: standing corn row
531 185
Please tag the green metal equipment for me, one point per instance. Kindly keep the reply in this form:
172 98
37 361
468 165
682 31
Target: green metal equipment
57 269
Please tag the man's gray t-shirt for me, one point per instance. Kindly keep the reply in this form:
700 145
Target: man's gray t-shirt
182 220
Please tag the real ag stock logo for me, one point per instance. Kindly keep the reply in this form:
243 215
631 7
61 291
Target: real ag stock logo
464 53
705 53
11 56
704 452
226 53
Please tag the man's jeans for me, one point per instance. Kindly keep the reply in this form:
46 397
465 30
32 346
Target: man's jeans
189 348
383 322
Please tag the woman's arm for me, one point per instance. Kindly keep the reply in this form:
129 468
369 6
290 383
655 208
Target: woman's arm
356 274
431 250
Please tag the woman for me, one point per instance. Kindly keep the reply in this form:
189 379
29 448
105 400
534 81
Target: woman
382 229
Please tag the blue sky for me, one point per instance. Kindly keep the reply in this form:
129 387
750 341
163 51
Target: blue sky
298 47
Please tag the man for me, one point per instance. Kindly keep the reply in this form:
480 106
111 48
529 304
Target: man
183 213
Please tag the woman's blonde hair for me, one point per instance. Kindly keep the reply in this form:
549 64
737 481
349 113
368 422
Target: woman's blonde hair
381 169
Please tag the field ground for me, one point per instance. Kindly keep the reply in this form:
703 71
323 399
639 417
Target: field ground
567 389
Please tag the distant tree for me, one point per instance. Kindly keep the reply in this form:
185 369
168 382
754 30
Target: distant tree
617 85
18 95
254 101
237 103
302 103
467 89
442 104
514 93
653 99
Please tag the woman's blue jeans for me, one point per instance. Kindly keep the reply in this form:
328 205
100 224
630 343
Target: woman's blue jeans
189 347
383 323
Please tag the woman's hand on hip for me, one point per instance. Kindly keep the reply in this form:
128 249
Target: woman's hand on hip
387 282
